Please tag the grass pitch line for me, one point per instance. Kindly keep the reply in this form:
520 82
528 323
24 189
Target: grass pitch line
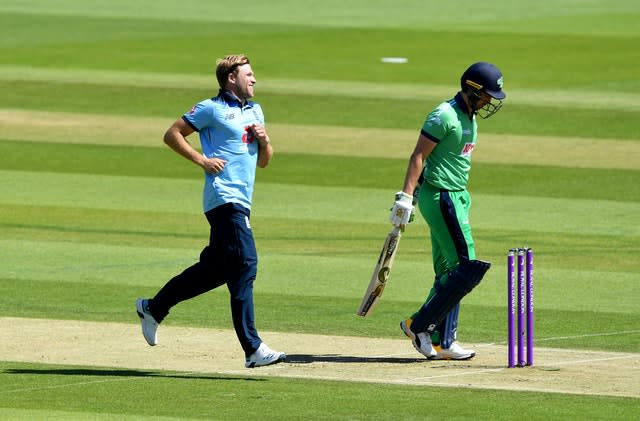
62 386
321 357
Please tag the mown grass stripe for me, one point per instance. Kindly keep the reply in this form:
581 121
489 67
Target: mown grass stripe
320 170
587 215
283 249
70 128
587 99
548 16
371 12
333 109
324 230
277 225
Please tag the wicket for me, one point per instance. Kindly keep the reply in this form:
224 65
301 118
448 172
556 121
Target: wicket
524 260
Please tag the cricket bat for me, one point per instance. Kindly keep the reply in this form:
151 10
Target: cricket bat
380 273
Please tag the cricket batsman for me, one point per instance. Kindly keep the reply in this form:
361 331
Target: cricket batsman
437 176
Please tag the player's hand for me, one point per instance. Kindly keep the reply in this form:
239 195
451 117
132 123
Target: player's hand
213 165
402 210
260 133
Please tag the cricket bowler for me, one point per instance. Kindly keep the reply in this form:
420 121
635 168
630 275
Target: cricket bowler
234 143
437 175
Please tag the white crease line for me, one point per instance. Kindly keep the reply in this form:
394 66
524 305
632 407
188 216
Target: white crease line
591 360
556 338
589 335
586 361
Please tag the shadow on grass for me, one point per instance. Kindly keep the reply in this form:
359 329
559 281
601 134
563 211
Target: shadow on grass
435 364
119 373
332 358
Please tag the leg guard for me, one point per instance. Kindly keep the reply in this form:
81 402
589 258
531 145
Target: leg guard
446 332
449 327
461 281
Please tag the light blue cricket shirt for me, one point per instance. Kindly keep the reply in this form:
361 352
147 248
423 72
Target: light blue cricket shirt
223 125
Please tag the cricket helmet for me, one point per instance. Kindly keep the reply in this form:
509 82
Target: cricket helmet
483 77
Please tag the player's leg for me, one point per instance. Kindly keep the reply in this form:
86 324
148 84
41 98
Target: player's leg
448 222
444 250
443 262
243 264
466 276
448 328
193 281
197 279
207 274
440 266
423 342
460 247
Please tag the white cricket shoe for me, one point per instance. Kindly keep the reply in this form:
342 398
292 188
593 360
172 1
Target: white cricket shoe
421 341
454 352
149 324
264 356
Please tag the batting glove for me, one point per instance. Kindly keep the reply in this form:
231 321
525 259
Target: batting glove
402 210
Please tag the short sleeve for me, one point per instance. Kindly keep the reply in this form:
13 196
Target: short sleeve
435 127
200 116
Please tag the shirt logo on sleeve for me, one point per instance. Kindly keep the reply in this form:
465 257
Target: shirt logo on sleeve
467 149
434 119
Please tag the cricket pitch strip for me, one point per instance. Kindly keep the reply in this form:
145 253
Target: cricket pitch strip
338 358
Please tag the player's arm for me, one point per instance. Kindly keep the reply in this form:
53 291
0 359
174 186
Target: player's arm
176 138
421 152
403 208
265 150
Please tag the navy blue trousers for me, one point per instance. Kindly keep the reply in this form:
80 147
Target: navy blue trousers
231 259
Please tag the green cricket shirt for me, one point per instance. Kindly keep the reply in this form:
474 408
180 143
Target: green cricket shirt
449 125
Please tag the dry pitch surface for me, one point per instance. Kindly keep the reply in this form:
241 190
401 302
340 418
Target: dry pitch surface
394 361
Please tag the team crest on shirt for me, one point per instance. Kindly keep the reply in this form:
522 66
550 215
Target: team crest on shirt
467 149
248 136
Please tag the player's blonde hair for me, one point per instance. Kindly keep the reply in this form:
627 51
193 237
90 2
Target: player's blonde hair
229 64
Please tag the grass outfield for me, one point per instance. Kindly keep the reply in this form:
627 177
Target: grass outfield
211 396
95 211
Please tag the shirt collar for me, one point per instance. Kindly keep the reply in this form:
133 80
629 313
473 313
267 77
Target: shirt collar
230 98
459 99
